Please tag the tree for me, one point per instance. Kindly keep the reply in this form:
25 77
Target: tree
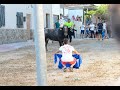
102 11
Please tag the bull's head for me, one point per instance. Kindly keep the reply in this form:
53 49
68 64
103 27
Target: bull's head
65 29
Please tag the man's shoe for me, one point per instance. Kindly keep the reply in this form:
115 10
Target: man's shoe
64 69
71 69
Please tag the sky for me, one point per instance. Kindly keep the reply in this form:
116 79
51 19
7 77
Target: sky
97 4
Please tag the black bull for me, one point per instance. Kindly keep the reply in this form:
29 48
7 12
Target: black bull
55 35
58 35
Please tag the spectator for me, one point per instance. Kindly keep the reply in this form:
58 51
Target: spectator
100 29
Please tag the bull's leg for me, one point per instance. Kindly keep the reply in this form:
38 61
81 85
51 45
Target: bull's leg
60 43
52 41
46 42
70 37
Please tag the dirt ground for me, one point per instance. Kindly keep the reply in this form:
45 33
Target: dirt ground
100 65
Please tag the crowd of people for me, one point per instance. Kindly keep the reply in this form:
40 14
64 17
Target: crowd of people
89 30
93 30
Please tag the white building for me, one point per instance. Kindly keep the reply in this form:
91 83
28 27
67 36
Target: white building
75 12
22 14
17 21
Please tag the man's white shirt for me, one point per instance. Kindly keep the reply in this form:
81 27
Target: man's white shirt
61 21
92 27
67 53
104 26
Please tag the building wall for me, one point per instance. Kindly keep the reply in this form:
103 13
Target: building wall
12 9
55 11
47 9
10 14
61 11
66 12
75 13
11 34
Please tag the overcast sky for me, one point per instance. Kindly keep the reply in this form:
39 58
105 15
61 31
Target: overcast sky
97 4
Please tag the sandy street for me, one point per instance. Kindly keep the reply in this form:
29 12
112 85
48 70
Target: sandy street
100 65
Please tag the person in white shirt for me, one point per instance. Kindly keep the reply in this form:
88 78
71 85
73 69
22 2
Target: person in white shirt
78 24
105 30
82 28
92 28
61 21
67 55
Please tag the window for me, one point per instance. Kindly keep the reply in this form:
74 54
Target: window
2 16
47 20
55 18
20 19
24 19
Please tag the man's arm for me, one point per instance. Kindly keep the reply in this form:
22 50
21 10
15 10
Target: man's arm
57 51
76 52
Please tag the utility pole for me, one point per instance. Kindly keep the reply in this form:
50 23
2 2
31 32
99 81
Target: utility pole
40 45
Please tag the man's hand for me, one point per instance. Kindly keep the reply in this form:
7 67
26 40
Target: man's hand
78 53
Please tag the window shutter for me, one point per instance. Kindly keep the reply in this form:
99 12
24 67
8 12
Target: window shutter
20 20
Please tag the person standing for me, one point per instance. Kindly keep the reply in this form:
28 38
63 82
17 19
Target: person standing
82 31
70 26
105 29
57 25
87 31
100 29
61 21
78 24
96 31
92 27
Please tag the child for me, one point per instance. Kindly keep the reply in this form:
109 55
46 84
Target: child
67 57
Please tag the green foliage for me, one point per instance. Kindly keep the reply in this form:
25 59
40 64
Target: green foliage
91 12
101 11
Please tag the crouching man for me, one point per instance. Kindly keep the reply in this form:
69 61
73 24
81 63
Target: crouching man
67 57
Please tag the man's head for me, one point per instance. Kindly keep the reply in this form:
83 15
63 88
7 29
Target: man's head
68 20
65 41
60 16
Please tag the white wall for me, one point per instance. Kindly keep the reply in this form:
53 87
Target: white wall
47 9
61 11
55 11
10 14
75 13
12 9
66 12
